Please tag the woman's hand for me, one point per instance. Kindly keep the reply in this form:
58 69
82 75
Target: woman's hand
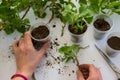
93 73
27 58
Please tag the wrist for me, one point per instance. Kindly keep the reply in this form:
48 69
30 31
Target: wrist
26 74
19 77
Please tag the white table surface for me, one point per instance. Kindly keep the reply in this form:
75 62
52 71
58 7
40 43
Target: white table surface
57 71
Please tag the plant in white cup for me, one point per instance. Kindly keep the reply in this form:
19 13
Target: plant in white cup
39 34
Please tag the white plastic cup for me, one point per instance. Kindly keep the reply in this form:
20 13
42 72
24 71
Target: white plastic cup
98 34
38 43
76 38
110 51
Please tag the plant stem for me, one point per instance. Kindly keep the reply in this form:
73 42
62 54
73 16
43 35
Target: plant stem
55 4
26 12
78 64
84 47
1 25
8 0
63 27
52 11
52 16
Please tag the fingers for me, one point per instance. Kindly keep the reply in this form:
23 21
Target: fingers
15 46
94 73
99 74
28 40
21 43
18 45
79 75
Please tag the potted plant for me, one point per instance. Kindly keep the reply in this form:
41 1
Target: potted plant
113 44
56 7
39 7
102 22
102 25
77 20
70 53
11 21
39 34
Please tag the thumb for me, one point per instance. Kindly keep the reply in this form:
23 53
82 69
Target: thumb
79 75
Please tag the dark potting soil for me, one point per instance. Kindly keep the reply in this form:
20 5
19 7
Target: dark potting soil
114 42
72 29
102 25
54 26
84 71
40 32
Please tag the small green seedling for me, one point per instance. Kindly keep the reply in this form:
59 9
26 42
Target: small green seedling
77 17
70 53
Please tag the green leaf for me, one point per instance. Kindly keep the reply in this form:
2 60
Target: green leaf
94 5
65 50
68 59
69 18
82 1
69 52
8 29
62 1
83 10
69 49
89 19
114 5
117 11
26 21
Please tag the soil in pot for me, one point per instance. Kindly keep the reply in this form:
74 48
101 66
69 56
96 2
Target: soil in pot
114 42
76 36
101 25
72 29
39 33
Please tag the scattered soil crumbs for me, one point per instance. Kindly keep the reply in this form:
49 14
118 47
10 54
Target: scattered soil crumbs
8 56
59 71
54 26
73 71
48 63
56 39
93 60
52 60
56 43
